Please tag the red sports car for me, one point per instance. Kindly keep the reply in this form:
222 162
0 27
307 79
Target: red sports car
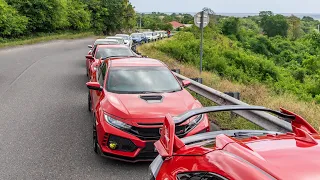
105 52
238 154
129 102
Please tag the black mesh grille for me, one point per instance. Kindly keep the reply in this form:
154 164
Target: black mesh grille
123 144
154 133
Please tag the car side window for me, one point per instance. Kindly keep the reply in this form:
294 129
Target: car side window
94 51
102 73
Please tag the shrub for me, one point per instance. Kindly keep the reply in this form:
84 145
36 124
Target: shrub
11 23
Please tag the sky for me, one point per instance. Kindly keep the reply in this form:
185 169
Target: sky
228 6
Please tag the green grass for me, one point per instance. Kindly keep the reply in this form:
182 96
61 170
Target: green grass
255 94
43 38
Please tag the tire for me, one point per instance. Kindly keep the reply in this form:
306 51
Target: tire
94 136
89 102
94 140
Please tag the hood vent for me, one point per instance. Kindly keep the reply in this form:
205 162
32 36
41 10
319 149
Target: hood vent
152 98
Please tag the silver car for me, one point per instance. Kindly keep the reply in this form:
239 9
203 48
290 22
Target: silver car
127 39
118 38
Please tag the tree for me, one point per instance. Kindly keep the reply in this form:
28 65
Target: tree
208 10
295 30
230 26
11 23
307 18
274 25
44 15
109 16
78 15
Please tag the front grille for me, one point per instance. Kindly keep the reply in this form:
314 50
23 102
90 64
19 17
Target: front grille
148 151
154 133
123 144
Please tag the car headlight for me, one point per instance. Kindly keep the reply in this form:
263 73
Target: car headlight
116 123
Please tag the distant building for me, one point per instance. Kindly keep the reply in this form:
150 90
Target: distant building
188 25
176 25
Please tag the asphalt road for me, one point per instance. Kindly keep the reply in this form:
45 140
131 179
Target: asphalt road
45 128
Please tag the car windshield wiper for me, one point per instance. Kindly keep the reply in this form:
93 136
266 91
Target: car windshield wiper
150 92
249 134
172 91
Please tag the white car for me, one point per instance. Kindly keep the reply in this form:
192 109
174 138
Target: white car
161 34
149 36
127 39
119 39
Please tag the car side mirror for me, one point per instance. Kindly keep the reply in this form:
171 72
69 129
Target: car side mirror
186 83
94 86
89 56
90 46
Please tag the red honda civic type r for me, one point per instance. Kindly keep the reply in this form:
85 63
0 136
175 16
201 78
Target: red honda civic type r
238 154
129 102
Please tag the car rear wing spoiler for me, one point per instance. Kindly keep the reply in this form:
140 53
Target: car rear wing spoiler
169 143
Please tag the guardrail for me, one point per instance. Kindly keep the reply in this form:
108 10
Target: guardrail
262 119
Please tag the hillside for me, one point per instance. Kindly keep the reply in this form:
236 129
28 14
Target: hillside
279 69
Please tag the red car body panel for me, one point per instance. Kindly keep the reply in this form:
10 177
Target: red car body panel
294 156
132 110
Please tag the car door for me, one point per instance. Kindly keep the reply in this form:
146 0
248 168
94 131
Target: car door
90 62
97 95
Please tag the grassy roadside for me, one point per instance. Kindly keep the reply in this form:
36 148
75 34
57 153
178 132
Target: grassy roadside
255 94
44 38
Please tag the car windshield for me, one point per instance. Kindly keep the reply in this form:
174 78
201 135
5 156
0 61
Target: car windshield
106 52
121 41
123 36
141 80
136 35
105 42
148 34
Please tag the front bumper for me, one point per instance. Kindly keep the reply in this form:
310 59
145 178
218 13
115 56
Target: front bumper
130 147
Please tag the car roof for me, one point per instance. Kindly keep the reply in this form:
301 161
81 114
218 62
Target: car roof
112 46
107 40
114 37
289 151
122 35
135 62
136 33
282 156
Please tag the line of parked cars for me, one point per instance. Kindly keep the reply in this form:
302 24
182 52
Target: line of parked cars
141 111
129 96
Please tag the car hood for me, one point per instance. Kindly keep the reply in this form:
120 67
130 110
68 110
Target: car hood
132 106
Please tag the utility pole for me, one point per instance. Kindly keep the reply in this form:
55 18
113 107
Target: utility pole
140 20
201 43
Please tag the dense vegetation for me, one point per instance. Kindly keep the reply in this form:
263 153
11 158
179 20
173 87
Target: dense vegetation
155 21
29 17
281 52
